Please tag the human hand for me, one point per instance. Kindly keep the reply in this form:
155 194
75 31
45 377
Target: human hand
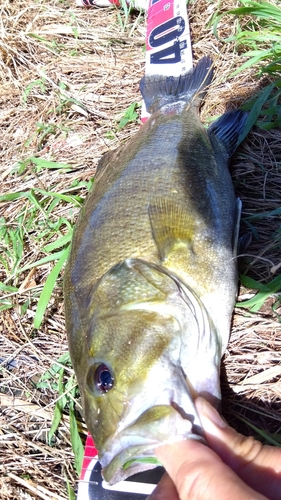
234 467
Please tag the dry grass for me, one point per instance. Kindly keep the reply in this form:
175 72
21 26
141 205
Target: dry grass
87 72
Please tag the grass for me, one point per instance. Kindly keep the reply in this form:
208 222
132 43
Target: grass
258 35
257 38
68 94
35 222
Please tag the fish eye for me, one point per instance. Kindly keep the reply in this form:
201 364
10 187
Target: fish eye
103 378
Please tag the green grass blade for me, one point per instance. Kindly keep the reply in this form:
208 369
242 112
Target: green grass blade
60 242
70 491
40 162
269 438
5 304
48 289
255 303
76 200
247 64
263 10
55 422
264 215
143 460
251 283
7 288
14 196
255 111
76 442
41 262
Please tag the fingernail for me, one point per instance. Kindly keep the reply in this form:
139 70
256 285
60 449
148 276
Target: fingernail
208 414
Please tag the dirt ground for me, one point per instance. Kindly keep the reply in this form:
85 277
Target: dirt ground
68 74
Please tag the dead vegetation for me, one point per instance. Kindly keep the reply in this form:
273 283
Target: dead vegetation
67 75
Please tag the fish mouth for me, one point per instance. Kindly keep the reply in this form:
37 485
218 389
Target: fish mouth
131 450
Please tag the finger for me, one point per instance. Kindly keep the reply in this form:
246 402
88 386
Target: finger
165 490
199 474
258 465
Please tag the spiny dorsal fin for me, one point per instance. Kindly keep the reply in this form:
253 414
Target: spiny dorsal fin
171 226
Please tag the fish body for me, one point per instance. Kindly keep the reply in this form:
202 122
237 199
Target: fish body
151 281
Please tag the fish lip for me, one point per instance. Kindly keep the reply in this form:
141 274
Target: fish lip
136 443
117 469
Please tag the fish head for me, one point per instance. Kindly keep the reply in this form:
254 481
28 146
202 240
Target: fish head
136 394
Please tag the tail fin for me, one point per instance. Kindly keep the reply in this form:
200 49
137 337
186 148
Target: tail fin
157 91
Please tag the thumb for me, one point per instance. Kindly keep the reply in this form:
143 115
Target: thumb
197 473
257 465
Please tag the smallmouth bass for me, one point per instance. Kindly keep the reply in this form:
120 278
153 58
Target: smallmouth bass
151 281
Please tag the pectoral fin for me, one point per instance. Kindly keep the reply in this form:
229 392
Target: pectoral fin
172 227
